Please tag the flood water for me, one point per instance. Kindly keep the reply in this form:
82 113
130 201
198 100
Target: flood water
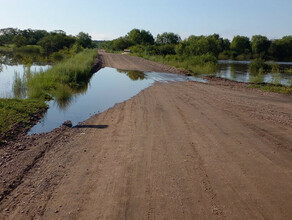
10 73
239 71
109 86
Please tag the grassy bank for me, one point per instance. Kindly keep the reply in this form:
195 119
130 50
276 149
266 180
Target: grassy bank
64 77
60 82
15 113
273 88
203 64
5 49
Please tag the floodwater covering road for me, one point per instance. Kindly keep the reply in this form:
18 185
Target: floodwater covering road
182 150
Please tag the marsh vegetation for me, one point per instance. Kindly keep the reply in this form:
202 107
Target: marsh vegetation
62 67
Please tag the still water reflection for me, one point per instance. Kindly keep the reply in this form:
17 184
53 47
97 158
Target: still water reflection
107 87
239 71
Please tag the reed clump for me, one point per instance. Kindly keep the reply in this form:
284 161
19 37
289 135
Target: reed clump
73 73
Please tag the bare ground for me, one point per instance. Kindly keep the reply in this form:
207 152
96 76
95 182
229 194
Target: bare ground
175 151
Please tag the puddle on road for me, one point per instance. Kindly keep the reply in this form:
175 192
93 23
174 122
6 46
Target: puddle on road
107 87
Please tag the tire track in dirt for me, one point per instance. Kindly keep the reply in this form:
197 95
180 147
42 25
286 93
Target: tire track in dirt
174 151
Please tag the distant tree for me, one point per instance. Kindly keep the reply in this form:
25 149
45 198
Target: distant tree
260 46
7 34
19 40
198 45
281 49
58 32
120 44
36 35
146 37
166 49
225 44
240 44
84 40
55 42
168 38
137 36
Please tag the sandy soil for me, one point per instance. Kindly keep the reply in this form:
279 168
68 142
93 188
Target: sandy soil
175 151
128 62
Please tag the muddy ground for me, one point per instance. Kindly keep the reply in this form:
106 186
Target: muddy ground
183 150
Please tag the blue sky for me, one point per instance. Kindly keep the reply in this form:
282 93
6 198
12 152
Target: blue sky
110 19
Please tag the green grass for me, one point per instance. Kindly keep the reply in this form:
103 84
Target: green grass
73 72
273 88
288 71
6 49
204 64
28 49
15 111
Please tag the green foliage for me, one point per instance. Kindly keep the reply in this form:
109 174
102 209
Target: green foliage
257 78
203 64
225 55
19 40
240 44
46 42
57 56
55 42
137 36
259 65
5 49
15 111
74 72
240 48
29 49
275 68
288 70
260 46
198 45
84 40
120 44
281 49
168 38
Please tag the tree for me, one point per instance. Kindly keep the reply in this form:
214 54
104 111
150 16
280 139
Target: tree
146 37
198 45
168 38
281 49
19 40
240 44
55 42
137 36
260 45
84 40
120 44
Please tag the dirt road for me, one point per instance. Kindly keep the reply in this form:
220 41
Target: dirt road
175 151
127 62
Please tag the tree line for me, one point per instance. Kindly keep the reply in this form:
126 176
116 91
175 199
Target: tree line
239 48
49 42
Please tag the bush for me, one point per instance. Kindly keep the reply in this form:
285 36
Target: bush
74 72
28 49
259 65
56 57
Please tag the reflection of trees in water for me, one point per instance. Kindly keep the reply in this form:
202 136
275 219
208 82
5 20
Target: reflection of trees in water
64 94
17 58
133 75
